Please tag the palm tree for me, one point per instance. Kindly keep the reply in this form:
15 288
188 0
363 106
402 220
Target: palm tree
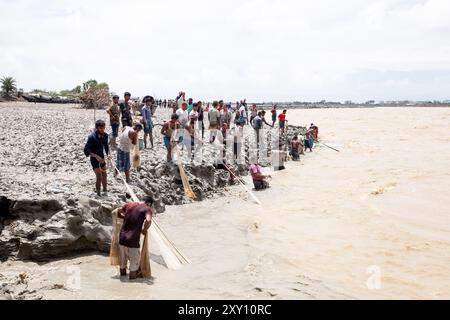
8 85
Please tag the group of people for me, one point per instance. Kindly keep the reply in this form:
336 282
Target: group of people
98 143
297 146
186 128
187 121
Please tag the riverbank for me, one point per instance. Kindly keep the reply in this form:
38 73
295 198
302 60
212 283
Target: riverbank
368 222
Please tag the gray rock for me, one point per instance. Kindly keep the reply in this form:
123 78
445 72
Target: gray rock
41 226
85 227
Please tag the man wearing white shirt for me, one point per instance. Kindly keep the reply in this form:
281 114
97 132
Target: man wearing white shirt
183 115
183 119
243 115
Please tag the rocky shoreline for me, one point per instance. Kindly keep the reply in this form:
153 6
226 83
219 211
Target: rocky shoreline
48 208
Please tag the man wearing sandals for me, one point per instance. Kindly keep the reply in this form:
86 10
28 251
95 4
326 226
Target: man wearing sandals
137 218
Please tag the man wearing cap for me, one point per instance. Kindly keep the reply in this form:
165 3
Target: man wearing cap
125 110
114 117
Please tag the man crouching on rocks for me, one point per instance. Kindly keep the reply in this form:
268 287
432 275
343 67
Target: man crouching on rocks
96 143
259 180
137 218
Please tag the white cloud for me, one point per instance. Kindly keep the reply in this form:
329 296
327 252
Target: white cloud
259 49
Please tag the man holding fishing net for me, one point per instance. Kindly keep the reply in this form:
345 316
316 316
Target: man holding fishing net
259 180
137 218
127 138
170 130
309 139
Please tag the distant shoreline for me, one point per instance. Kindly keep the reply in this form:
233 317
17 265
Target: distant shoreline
350 106
280 106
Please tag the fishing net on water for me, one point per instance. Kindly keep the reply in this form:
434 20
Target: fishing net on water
144 264
187 187
114 251
136 156
173 258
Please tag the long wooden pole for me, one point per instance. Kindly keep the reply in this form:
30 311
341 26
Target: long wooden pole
244 186
329 147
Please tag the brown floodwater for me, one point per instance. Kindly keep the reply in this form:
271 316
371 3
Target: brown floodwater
371 221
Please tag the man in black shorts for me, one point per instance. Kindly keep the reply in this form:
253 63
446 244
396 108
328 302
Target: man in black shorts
125 110
96 143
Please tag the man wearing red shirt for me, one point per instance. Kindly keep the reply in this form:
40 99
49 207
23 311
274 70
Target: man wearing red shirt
259 180
282 120
137 218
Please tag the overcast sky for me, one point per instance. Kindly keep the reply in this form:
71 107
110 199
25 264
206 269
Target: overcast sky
262 50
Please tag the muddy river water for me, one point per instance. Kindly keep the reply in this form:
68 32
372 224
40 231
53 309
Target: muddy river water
371 221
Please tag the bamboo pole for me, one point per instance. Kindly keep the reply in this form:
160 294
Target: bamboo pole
244 186
330 147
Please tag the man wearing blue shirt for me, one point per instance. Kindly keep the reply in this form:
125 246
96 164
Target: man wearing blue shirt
147 113
96 143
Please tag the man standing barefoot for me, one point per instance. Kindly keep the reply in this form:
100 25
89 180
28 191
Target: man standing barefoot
147 114
96 143
127 138
274 115
309 139
125 110
168 130
282 121
114 116
214 119
200 118
137 218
